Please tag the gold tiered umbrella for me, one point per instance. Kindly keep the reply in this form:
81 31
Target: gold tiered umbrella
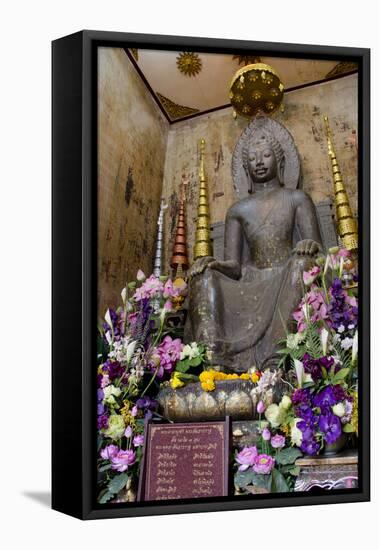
346 224
203 242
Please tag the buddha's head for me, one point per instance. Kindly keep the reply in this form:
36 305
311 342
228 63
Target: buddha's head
263 159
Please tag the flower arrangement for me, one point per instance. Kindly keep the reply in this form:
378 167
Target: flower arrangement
323 359
269 466
137 351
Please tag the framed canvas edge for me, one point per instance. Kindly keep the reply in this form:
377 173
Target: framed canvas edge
86 278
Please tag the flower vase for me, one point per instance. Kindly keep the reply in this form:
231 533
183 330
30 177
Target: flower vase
336 447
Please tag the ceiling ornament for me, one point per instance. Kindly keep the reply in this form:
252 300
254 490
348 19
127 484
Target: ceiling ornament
256 88
342 67
189 63
247 59
173 109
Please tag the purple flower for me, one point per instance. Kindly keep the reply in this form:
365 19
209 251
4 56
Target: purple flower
138 440
314 366
114 369
278 441
109 452
325 398
310 446
246 457
330 425
122 460
102 421
263 464
300 397
343 309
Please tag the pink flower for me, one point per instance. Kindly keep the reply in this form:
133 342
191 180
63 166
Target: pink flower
278 441
150 288
261 407
266 434
263 464
168 305
134 411
122 460
140 275
343 253
246 457
138 440
310 276
109 452
128 432
170 291
169 353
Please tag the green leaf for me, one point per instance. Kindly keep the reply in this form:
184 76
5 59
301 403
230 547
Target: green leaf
294 471
241 479
348 428
279 484
182 366
118 483
341 374
132 284
105 467
105 497
186 377
262 480
288 455
195 361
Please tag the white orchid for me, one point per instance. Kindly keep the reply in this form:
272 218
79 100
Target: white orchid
324 340
354 351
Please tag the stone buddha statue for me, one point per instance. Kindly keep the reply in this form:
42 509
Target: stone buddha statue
240 307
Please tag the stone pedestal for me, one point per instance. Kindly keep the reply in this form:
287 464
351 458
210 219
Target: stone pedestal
327 473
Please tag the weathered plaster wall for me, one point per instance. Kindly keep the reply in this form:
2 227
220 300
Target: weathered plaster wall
132 146
303 116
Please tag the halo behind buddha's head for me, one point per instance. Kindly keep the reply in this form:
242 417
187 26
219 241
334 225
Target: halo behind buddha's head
260 130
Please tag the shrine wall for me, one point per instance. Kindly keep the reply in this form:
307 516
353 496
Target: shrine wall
131 154
303 116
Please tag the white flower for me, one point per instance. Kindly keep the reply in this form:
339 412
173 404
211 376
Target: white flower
285 402
108 319
275 415
190 351
299 367
341 329
346 343
130 350
296 434
324 341
123 295
339 410
110 392
350 327
354 351
336 338
293 341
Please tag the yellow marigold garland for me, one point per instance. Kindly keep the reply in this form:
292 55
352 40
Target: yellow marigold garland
209 377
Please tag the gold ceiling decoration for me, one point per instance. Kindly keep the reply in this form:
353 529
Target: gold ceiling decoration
173 109
256 88
189 63
134 53
342 67
247 59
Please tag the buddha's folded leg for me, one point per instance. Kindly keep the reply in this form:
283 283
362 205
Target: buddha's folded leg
290 294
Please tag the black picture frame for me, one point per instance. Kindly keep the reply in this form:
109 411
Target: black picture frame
74 207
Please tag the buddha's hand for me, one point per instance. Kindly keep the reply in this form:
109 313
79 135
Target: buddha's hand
307 247
199 265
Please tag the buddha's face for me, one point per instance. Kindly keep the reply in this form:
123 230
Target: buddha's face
262 164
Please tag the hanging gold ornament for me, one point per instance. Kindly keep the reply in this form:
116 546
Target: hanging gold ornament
256 88
189 63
